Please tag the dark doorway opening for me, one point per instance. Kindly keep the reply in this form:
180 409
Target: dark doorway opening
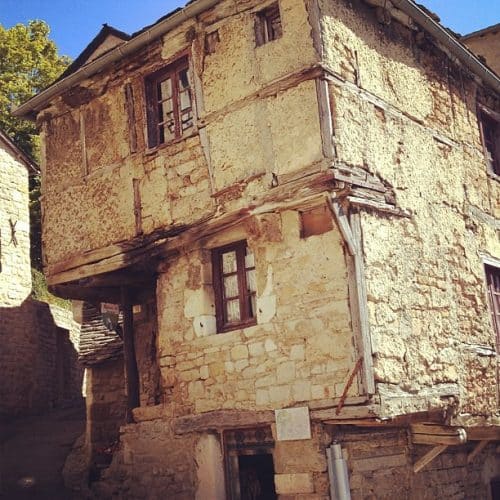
495 489
256 474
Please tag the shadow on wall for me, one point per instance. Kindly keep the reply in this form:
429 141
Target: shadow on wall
39 366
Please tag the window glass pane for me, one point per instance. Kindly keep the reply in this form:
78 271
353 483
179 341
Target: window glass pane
186 119
165 89
249 259
252 306
251 282
229 262
233 311
185 99
183 79
231 286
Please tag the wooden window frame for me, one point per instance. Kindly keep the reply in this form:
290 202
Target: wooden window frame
489 126
264 25
171 71
244 296
493 287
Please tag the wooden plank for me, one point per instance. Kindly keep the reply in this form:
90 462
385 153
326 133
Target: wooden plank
428 458
85 167
222 419
436 429
362 304
483 433
434 440
325 118
480 446
131 371
344 226
129 105
136 185
348 412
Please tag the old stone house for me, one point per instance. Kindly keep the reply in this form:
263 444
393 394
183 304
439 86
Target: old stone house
295 203
485 43
38 341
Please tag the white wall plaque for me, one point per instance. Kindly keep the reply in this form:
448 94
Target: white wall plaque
293 424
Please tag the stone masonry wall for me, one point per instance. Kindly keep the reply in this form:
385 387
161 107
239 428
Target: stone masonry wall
301 348
403 112
90 168
32 375
380 464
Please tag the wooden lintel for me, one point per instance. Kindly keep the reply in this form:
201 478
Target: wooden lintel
435 434
428 457
399 421
222 419
119 278
347 413
484 433
480 446
101 294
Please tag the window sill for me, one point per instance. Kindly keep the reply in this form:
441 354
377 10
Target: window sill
239 326
157 149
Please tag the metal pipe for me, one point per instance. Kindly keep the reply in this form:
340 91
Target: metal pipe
337 473
38 101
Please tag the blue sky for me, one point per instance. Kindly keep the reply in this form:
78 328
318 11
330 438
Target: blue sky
75 22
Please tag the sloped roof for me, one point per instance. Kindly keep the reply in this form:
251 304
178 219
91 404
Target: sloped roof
481 32
92 49
18 153
97 343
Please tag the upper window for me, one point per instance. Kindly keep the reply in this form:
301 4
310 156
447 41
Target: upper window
493 284
268 25
169 103
490 132
234 286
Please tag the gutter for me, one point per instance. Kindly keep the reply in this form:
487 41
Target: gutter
454 46
38 102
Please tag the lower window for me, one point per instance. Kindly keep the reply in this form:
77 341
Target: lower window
249 464
233 277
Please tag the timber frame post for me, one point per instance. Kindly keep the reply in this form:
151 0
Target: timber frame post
350 229
131 372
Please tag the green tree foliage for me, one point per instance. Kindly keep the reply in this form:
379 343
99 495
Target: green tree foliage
29 62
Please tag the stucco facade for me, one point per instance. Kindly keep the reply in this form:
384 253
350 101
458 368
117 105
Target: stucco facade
354 170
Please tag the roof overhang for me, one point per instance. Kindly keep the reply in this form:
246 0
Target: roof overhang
30 108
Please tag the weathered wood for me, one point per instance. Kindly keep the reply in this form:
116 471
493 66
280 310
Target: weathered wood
222 419
129 104
75 292
428 458
325 118
435 434
136 185
343 224
85 167
348 412
163 242
131 371
343 397
480 446
362 305
483 433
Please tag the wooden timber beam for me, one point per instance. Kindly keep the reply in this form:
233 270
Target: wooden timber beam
428 457
435 434
131 371
102 294
167 241
222 419
480 446
484 433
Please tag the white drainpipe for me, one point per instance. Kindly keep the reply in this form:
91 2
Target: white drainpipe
337 472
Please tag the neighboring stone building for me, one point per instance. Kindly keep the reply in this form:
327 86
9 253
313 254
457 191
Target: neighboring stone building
38 341
486 43
296 209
